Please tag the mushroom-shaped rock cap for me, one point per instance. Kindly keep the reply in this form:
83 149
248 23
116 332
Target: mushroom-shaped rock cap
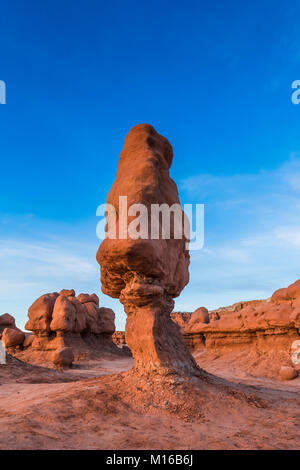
143 177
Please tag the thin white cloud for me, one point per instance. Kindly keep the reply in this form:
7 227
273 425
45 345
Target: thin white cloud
252 235
32 267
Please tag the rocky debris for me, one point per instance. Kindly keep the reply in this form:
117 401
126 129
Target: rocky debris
64 320
63 358
12 337
147 273
287 373
6 321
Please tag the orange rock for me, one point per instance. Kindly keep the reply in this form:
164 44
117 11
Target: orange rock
64 314
63 357
67 292
146 274
287 373
80 315
84 298
28 341
293 291
280 295
6 321
295 317
40 313
200 315
12 337
106 321
92 317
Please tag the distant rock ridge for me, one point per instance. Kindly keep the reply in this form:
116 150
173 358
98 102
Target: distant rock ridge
266 324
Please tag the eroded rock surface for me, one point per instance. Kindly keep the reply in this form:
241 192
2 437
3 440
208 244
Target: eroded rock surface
63 358
146 274
266 325
62 320
6 321
12 337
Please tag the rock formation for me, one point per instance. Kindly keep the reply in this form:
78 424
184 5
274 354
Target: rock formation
272 324
147 273
61 320
6 321
12 337
62 358
288 373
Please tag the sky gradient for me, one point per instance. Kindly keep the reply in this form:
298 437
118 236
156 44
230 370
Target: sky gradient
213 77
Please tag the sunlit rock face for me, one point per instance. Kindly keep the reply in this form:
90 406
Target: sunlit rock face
60 320
146 273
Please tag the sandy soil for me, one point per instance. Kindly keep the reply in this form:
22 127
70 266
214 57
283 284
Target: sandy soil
97 406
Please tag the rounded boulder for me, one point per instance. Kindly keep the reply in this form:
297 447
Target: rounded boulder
12 337
287 373
63 357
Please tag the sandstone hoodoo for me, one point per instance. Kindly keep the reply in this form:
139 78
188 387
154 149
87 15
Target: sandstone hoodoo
62 320
147 273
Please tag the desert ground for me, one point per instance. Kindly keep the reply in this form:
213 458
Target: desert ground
93 405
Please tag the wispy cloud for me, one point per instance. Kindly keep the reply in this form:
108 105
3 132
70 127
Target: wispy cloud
252 234
47 260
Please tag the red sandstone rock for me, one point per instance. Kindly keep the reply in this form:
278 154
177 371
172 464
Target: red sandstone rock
84 298
145 274
293 291
262 325
59 321
106 321
67 292
6 321
119 338
199 315
63 357
63 316
12 337
280 295
40 313
80 315
181 318
295 317
28 341
92 317
287 373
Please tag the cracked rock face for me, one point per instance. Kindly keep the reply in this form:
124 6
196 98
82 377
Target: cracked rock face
146 274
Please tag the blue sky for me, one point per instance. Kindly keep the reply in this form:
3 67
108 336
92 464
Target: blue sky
213 77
